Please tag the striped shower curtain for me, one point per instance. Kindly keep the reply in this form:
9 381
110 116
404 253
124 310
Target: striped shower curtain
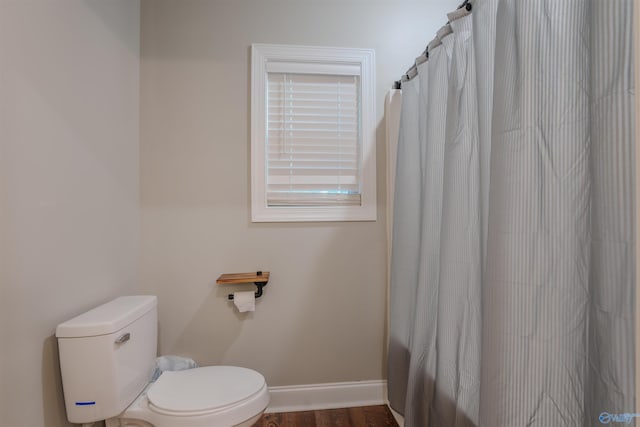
512 271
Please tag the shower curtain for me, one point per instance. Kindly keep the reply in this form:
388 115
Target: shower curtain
512 271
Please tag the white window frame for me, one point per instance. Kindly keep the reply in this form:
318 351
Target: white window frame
313 60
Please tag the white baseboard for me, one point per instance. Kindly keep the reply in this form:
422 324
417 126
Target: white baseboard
399 418
313 397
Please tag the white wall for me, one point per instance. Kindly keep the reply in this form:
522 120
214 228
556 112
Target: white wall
69 199
322 318
69 193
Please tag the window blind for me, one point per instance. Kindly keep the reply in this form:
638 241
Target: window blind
313 139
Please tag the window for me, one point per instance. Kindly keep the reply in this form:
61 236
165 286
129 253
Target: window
312 134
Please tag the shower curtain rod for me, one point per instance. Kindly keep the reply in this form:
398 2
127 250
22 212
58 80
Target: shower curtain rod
413 70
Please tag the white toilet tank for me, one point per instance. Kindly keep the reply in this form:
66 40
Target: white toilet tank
107 356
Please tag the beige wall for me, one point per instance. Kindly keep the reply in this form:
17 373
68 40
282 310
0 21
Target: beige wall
69 223
69 172
322 318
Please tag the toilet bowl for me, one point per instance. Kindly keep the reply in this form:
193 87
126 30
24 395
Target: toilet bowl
107 356
210 396
202 397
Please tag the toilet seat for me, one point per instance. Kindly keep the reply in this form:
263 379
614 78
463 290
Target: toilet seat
212 396
205 390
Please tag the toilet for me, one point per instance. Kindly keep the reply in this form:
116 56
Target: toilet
107 357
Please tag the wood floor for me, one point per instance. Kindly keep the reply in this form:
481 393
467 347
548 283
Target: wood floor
366 416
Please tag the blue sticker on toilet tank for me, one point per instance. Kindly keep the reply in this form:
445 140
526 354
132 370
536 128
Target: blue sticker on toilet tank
85 403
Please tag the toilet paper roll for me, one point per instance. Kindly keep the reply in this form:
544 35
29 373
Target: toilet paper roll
244 301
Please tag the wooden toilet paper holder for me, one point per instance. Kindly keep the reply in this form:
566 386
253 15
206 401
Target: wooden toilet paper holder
259 278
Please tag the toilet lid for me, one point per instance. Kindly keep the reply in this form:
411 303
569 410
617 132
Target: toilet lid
204 389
